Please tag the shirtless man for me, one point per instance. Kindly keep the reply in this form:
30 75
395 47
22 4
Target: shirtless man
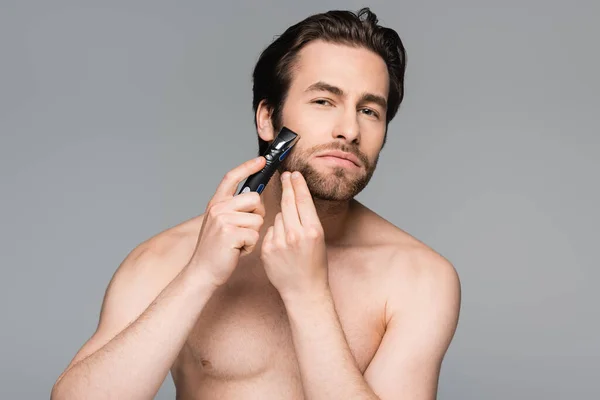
301 292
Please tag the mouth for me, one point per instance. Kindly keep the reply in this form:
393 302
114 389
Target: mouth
340 158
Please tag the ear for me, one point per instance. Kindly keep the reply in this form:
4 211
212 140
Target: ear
263 122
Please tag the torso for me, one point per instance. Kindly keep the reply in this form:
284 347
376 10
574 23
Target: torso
241 345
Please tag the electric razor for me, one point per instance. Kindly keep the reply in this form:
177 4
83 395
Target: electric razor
275 154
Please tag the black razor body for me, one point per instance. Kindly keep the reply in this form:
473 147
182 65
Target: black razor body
275 154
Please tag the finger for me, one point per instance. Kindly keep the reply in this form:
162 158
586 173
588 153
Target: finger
244 220
246 240
267 240
269 235
304 202
232 179
289 211
278 228
250 202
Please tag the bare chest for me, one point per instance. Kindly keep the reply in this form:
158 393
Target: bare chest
244 332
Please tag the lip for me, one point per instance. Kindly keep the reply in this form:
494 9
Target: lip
343 155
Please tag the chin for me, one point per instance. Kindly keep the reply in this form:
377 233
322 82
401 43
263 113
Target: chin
335 185
330 183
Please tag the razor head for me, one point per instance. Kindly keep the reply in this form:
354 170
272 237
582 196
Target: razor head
281 145
285 138
275 154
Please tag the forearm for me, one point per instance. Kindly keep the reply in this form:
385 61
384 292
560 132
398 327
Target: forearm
327 366
134 363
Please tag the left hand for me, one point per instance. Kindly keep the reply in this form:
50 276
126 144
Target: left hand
293 250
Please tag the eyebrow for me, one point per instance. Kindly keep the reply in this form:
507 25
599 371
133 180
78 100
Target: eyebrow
365 97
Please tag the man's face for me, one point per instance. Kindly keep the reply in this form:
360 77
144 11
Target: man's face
336 102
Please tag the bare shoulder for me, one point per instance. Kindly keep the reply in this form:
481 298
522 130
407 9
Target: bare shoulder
164 254
148 269
414 272
422 305
139 279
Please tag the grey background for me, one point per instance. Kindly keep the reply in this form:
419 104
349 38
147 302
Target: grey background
114 117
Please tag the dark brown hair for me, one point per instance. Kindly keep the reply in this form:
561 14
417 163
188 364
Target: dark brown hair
272 74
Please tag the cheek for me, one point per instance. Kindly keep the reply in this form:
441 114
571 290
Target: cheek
371 136
371 147
308 120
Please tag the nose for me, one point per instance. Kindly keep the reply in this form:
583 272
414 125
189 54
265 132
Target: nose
347 127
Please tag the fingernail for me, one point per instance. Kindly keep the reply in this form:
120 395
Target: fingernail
296 175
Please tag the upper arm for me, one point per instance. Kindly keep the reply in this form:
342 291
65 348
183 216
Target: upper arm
408 361
134 285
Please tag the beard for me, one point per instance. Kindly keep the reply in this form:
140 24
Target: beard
340 184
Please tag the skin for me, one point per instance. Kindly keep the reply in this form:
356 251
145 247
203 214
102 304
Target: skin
328 301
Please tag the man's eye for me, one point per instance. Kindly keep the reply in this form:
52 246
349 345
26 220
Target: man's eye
323 102
370 112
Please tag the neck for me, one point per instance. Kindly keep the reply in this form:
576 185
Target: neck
332 214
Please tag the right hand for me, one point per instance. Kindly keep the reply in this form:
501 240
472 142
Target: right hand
231 225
